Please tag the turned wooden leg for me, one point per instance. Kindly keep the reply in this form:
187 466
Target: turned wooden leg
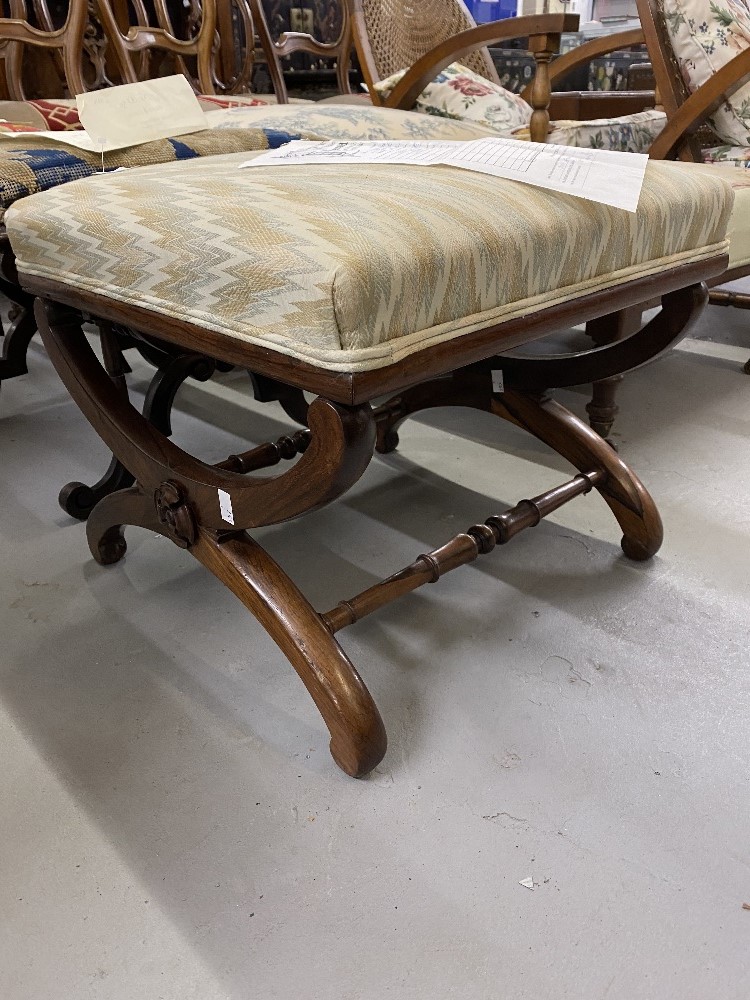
358 739
602 408
626 496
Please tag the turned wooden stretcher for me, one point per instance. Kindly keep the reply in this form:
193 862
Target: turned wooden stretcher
355 316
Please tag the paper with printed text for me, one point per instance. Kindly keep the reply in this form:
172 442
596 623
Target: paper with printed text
605 176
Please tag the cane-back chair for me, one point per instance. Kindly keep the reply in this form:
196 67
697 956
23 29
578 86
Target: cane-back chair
397 34
393 35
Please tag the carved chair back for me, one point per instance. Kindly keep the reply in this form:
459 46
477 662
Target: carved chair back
237 23
339 50
392 35
66 43
130 42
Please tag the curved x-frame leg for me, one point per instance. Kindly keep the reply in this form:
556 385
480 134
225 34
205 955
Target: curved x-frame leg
208 508
557 427
16 339
570 437
358 738
623 347
78 499
187 500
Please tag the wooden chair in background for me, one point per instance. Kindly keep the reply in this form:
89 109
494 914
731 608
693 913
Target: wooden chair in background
17 35
688 115
392 35
137 39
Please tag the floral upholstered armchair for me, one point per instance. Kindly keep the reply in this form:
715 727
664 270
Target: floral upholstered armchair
433 58
708 42
700 52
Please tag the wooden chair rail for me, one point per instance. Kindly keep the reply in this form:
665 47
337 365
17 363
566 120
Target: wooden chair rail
585 105
464 548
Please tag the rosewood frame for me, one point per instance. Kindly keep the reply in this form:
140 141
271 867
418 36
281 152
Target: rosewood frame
187 500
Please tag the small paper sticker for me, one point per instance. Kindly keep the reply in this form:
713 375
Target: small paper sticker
497 381
225 505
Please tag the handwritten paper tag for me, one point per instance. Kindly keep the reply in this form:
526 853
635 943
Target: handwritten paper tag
139 112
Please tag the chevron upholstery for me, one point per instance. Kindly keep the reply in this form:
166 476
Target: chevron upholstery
30 164
353 267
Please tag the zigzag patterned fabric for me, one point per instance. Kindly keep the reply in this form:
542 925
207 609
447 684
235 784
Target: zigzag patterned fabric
30 165
350 267
39 164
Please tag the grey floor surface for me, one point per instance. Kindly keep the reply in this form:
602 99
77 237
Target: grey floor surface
171 824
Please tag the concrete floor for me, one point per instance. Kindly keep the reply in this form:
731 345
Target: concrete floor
172 825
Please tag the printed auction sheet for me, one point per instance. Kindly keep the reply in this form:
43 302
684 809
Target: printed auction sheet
600 175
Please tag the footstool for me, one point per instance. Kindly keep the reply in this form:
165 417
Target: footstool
354 283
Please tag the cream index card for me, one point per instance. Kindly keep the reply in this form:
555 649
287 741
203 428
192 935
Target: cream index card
601 175
137 112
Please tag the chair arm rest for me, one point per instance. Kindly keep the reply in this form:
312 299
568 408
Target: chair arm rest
706 99
592 50
541 27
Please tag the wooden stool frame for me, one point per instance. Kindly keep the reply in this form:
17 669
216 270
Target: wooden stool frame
187 500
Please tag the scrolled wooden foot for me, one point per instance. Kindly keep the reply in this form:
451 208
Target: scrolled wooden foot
78 499
15 344
358 739
626 496
106 523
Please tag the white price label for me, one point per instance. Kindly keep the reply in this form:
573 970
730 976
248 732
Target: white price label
225 505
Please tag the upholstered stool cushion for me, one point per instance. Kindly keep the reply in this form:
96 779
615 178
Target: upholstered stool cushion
354 267
29 164
738 230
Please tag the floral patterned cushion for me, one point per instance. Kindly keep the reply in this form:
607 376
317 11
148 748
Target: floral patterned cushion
628 134
348 121
459 93
737 156
705 36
